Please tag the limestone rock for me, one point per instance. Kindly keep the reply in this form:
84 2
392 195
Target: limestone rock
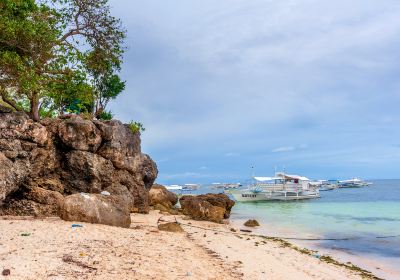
70 155
200 209
86 172
97 209
35 201
219 200
79 134
158 194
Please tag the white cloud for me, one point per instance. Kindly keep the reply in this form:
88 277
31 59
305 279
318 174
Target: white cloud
232 154
283 149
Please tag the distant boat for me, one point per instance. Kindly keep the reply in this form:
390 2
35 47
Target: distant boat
190 187
326 185
174 187
226 186
354 183
282 187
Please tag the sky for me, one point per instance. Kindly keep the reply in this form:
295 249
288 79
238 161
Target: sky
228 89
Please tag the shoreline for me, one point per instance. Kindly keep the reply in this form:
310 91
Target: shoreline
51 249
378 266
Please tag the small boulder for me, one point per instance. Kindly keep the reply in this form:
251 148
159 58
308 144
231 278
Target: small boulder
158 194
251 223
199 209
220 200
97 209
171 227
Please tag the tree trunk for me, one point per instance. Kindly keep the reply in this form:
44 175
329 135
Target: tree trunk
34 113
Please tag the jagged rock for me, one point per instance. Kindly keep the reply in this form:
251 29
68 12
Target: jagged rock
79 134
251 223
12 174
87 172
34 201
197 208
71 155
120 145
158 194
97 209
171 227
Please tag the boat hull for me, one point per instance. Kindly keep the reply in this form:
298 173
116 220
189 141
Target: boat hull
252 197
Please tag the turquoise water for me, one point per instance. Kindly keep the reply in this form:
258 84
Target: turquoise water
361 225
369 216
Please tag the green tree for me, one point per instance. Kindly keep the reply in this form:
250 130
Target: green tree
46 53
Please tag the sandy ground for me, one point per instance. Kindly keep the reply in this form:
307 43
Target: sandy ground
53 249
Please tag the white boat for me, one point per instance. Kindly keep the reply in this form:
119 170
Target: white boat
353 183
282 187
326 185
174 187
226 186
190 187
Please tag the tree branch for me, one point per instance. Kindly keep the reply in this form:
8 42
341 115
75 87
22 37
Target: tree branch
9 101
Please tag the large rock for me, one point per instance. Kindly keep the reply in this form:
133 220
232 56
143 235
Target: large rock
158 194
79 134
120 145
34 201
97 209
70 155
220 200
201 208
87 172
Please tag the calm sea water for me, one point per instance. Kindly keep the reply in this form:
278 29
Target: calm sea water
370 216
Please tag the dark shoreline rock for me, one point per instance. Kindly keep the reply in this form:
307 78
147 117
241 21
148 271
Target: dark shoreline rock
207 207
251 223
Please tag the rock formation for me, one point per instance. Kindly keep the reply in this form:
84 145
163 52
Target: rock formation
159 195
96 209
209 207
41 163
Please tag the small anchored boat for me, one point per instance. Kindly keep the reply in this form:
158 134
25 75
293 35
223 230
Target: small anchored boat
353 183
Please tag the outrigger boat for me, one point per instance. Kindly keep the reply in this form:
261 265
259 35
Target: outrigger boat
282 187
226 186
353 183
325 185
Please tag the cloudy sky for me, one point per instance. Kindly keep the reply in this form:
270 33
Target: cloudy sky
221 86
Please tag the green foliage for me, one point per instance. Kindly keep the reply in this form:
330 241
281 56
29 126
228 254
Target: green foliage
59 56
106 115
136 127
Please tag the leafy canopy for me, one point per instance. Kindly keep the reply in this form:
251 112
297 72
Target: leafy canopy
59 56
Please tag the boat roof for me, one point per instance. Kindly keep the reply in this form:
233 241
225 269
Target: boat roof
264 179
173 187
288 176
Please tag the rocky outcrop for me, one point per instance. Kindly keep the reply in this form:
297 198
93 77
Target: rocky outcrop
96 209
209 207
159 195
61 157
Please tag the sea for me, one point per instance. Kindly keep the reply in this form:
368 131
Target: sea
357 225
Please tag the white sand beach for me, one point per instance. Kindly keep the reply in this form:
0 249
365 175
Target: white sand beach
52 249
